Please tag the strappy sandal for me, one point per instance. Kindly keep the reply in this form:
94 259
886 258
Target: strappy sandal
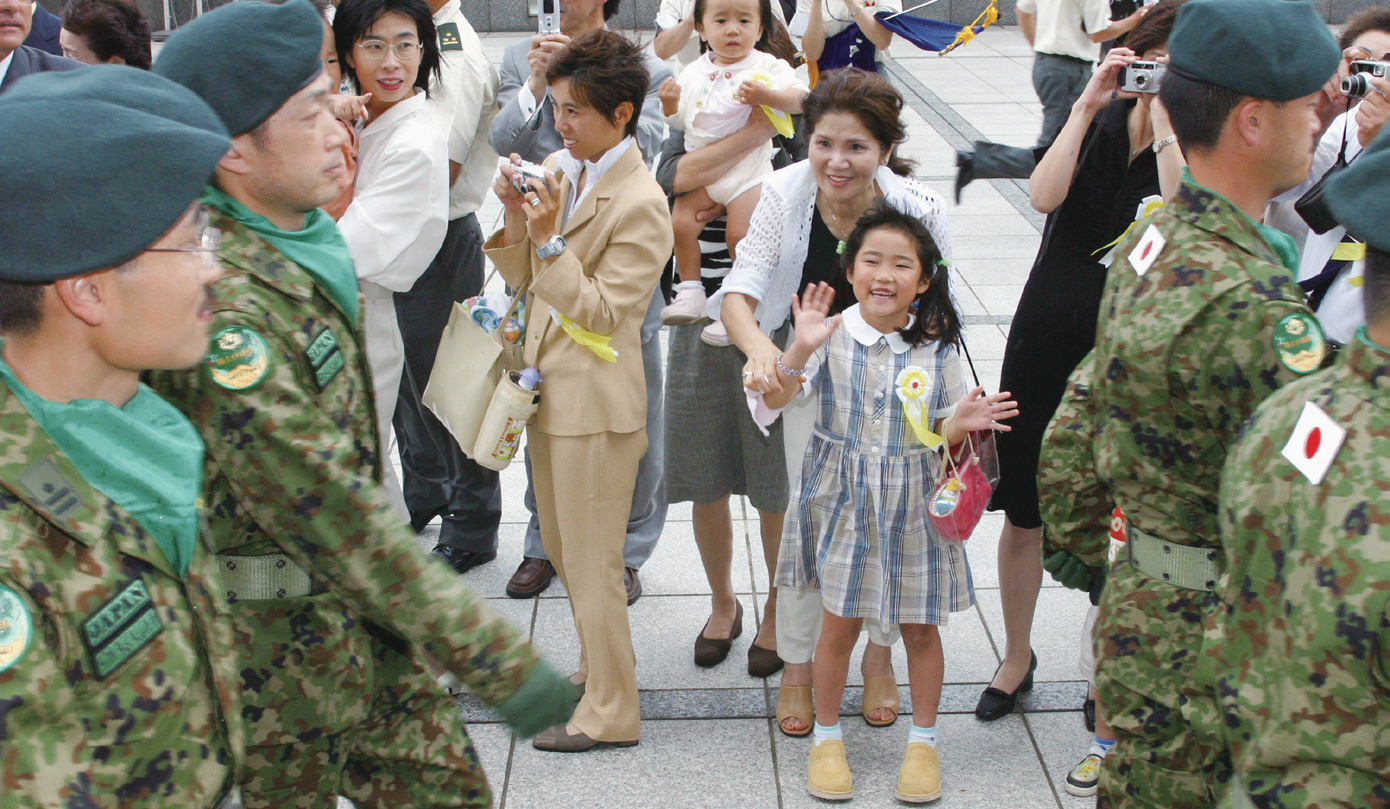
881 693
794 702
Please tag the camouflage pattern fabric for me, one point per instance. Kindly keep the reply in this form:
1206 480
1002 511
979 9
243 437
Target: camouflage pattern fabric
1184 353
1299 650
113 699
294 467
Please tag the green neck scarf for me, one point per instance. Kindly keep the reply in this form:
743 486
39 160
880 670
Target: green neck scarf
1282 243
146 456
318 247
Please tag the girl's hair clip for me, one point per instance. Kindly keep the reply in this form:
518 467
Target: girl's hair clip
943 262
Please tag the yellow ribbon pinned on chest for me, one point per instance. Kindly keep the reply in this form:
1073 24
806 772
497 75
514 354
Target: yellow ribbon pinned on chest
913 387
597 343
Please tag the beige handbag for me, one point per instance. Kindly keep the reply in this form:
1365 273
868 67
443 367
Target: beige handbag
467 369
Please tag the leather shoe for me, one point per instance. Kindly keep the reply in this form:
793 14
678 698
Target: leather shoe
965 171
763 662
559 740
422 518
632 584
996 702
712 651
461 560
531 578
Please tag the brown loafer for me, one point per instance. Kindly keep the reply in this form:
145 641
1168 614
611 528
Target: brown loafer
632 584
712 651
531 578
763 662
559 740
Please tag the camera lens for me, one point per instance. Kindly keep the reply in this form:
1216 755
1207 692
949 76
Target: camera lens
1356 86
1141 79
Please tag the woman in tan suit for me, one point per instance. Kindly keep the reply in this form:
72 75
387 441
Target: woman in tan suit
591 240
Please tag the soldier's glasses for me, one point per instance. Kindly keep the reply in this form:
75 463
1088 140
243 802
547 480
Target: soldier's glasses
209 241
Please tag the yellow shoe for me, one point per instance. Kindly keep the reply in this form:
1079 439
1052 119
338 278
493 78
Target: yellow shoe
919 780
828 776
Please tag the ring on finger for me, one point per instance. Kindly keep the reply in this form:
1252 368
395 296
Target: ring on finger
536 201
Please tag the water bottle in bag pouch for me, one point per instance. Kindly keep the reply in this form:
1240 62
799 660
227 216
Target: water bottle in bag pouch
513 404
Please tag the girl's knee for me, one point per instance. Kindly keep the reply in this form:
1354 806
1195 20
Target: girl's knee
919 635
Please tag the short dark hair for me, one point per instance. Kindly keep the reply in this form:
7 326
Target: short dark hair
1153 30
604 69
21 307
936 315
356 17
111 28
875 103
1375 18
1375 294
1197 110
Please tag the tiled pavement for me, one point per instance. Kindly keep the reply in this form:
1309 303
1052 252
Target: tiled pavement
707 740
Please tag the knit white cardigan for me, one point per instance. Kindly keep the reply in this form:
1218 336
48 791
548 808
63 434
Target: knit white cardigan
771 257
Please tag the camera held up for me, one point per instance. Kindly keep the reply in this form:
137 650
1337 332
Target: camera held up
1141 77
1358 84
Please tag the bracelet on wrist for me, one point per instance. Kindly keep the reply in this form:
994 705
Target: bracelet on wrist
1166 142
788 371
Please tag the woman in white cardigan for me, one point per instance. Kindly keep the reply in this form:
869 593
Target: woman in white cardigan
805 213
400 206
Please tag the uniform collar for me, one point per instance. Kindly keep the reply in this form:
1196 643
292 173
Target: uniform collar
868 336
1367 360
1208 210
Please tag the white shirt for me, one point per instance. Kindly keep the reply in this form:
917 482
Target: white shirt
1062 25
463 101
836 18
5 66
590 170
670 14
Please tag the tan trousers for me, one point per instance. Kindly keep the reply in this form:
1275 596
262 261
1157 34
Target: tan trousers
584 490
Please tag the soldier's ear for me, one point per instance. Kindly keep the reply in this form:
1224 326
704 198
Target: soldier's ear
234 160
82 296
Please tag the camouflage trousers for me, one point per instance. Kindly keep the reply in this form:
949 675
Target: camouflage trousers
1147 638
412 751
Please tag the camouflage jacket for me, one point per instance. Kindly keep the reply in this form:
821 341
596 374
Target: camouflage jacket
1184 352
294 468
1299 653
109 696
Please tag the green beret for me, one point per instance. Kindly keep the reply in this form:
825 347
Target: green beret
1277 50
1356 194
246 59
95 166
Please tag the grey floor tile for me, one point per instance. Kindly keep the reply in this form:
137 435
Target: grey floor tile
493 744
994 271
1056 635
990 246
675 568
693 764
999 299
994 224
1062 739
986 342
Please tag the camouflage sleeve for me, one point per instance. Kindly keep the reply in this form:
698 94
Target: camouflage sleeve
1075 505
286 464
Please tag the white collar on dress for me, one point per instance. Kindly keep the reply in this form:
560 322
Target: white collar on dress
868 336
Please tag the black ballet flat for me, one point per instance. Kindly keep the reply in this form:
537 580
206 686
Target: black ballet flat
995 702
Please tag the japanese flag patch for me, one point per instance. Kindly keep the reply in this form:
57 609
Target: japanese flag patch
1314 443
1142 257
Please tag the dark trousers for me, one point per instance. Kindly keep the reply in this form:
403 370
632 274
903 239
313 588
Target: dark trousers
436 473
1058 82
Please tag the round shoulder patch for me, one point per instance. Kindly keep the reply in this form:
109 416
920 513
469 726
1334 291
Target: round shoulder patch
1299 343
16 627
238 358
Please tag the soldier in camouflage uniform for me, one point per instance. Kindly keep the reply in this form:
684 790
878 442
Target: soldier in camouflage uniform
1201 320
113 689
1299 652
341 618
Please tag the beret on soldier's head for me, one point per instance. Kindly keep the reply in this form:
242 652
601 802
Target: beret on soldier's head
1277 50
1357 196
246 59
95 166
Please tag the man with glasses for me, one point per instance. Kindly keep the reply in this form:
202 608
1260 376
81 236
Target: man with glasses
341 619
113 683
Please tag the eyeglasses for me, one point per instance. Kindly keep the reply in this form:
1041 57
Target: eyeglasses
1356 52
209 241
374 50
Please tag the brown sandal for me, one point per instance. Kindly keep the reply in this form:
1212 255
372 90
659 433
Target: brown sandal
881 693
794 702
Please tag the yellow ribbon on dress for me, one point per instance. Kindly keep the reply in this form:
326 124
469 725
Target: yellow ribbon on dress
597 343
781 121
913 386
1148 206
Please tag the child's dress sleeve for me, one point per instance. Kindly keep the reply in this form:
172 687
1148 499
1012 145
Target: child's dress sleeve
951 385
764 416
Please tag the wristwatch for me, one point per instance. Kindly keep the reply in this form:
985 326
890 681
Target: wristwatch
1168 141
554 247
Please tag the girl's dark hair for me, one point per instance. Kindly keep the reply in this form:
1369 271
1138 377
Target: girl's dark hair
356 17
775 39
871 100
1152 31
111 28
936 315
604 69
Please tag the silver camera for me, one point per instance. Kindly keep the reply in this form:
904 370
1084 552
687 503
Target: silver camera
548 20
524 172
1358 84
1142 77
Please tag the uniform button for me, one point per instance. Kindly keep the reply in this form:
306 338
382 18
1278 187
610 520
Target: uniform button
231 565
280 563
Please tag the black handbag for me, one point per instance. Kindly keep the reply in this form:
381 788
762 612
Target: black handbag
1312 206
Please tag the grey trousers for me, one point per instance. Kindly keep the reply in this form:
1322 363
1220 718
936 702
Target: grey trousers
1058 82
647 517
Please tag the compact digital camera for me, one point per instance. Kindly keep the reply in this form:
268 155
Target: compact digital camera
548 20
1358 84
1142 77
524 172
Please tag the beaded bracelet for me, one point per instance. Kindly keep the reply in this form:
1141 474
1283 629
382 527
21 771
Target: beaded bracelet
788 371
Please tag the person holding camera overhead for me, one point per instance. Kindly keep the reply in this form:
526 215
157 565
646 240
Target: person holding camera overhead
525 125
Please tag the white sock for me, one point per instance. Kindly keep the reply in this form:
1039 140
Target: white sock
1100 746
821 733
684 285
923 735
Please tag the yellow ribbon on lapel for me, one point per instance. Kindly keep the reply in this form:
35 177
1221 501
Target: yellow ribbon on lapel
913 386
596 343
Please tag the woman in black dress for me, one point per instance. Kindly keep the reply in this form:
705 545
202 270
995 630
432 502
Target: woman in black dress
1096 179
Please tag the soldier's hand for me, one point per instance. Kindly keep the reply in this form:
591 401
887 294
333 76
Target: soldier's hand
1068 570
545 700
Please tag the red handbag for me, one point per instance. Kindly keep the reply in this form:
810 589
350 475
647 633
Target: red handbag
969 473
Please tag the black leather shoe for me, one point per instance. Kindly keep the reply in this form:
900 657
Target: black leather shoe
461 560
632 585
995 702
712 651
420 519
1088 714
965 171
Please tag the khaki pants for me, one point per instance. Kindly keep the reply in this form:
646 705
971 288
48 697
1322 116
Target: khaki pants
584 488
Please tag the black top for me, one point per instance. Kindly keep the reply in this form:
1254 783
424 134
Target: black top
823 263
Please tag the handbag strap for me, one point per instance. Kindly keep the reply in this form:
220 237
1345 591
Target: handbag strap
969 361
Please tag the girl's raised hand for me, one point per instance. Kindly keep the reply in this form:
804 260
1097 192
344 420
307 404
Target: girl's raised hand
811 313
980 412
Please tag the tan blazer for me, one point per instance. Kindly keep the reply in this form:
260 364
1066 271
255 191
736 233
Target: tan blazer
618 241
